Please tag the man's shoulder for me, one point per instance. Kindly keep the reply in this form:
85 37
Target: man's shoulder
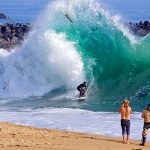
124 109
80 85
145 111
130 108
148 111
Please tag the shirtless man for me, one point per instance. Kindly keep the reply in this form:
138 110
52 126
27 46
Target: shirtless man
125 111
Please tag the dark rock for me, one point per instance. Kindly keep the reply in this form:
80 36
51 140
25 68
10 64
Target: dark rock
3 16
140 29
13 34
11 25
146 23
5 44
142 32
3 29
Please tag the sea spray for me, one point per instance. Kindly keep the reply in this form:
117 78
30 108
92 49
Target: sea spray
45 62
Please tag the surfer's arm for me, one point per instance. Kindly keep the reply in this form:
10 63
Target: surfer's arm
87 90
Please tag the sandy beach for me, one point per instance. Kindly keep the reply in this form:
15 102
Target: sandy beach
18 137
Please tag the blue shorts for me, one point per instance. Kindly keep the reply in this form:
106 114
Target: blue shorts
125 125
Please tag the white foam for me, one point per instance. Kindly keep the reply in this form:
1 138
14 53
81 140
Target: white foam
103 123
46 61
76 9
3 52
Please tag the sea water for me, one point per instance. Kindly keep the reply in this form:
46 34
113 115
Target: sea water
42 74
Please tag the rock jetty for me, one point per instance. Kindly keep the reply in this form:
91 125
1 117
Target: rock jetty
13 34
3 16
141 29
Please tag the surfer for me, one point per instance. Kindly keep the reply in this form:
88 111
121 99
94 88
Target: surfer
125 111
146 116
81 90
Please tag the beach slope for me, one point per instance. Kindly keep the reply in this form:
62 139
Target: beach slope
18 137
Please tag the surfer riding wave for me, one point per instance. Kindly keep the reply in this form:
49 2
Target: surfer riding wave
81 90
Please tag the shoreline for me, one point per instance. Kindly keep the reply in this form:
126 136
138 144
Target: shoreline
19 137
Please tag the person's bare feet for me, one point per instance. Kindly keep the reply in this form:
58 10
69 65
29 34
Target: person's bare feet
124 142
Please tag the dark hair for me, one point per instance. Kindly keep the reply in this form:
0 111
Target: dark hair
84 82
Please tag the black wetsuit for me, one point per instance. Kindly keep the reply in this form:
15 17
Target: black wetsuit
79 88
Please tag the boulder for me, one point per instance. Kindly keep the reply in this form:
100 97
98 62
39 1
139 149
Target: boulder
142 32
141 29
13 34
3 16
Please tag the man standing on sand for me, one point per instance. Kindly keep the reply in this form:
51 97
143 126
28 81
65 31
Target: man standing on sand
125 111
146 116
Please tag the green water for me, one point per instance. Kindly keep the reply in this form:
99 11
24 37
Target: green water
115 61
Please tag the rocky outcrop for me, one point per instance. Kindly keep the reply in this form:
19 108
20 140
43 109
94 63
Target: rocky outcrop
140 29
3 16
13 34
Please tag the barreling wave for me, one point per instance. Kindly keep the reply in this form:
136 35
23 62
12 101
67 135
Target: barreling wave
90 43
117 60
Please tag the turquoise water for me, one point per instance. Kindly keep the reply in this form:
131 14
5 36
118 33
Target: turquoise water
113 61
